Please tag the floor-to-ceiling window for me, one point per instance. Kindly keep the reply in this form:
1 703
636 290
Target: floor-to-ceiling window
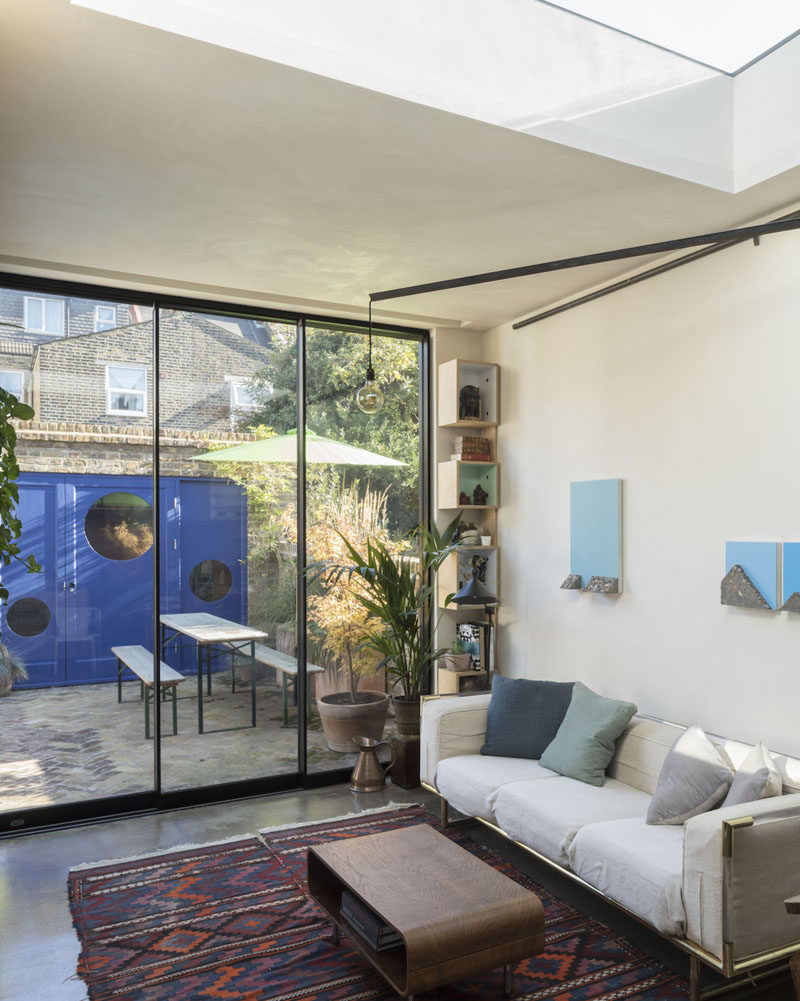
216 396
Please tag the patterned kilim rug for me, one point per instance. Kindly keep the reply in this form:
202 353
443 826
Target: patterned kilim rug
234 921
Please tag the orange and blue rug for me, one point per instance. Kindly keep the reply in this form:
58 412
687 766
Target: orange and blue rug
233 921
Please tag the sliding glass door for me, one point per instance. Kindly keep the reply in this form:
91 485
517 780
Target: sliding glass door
160 492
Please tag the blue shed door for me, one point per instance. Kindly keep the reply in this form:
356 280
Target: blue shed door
212 545
108 572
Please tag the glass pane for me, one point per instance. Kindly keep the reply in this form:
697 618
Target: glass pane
119 526
33 314
363 484
12 382
126 378
229 551
86 508
54 316
127 401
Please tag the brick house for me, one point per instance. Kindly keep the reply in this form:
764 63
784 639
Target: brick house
86 368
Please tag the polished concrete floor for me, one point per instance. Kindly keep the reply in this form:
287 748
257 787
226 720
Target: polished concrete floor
39 948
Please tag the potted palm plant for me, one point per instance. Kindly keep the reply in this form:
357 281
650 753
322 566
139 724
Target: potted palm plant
12 668
396 592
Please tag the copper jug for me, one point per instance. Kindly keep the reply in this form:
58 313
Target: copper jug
368 775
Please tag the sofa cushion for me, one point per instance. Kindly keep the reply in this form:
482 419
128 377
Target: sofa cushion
524 715
756 778
584 744
546 816
637 865
470 782
693 779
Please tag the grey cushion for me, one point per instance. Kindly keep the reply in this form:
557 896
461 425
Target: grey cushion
585 741
524 716
757 778
693 779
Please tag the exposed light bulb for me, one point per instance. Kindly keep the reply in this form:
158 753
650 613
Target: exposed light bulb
369 397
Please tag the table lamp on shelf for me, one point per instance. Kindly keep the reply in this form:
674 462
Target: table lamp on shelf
475 592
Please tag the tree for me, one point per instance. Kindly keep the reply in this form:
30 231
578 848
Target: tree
336 362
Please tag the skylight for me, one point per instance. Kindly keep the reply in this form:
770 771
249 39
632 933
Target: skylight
725 34
644 88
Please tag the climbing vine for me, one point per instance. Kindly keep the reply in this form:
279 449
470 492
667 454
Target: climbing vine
10 525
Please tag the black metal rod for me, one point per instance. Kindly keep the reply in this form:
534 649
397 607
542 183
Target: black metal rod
156 478
301 688
643 250
660 269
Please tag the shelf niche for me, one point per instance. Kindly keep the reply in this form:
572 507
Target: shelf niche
456 375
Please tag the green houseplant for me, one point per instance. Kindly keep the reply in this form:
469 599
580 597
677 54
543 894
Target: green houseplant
12 668
396 592
456 658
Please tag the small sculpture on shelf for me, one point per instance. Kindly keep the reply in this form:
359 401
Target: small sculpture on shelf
469 404
478 566
464 498
479 496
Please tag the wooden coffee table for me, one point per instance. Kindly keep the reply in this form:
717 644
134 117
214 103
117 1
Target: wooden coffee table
457 916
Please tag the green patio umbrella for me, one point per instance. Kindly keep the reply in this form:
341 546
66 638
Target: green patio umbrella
283 448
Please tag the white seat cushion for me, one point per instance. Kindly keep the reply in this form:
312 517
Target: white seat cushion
638 865
470 781
546 816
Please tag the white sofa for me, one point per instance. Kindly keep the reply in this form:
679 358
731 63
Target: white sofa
716 885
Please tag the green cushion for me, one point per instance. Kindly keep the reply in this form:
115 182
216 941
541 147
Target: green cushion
584 743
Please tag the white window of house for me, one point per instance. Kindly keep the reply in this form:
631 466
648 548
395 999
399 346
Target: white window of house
242 397
126 390
12 381
105 318
44 316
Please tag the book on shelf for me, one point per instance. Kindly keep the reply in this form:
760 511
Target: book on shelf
471 456
367 924
471 443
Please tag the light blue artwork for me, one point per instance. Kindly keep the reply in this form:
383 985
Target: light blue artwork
595 530
791 577
759 560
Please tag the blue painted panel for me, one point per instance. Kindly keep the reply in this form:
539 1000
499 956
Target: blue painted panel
595 528
97 602
759 560
791 569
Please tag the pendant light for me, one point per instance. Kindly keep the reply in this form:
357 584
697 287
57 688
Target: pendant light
369 397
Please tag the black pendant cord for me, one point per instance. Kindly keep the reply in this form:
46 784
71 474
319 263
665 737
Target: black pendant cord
370 372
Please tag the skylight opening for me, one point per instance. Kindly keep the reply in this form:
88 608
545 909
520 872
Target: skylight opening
726 35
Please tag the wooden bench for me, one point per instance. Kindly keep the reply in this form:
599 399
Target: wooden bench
140 660
286 666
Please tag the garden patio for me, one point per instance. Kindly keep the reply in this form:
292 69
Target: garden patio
73 743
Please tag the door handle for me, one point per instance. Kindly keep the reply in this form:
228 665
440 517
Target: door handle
71 586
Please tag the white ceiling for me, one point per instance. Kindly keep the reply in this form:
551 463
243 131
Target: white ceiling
139 157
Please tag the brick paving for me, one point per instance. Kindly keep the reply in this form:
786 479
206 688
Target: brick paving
63 745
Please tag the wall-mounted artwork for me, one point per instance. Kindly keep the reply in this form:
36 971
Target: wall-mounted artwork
791 577
595 536
751 575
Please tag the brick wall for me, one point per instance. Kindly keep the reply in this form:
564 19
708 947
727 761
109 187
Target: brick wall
60 447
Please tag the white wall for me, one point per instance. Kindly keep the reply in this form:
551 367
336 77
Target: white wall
686 387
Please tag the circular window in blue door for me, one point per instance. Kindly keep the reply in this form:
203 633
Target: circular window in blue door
28 617
210 580
119 526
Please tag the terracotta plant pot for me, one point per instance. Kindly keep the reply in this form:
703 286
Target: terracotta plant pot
406 714
456 661
342 719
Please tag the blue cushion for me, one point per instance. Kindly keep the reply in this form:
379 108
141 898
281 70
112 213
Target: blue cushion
524 716
585 742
